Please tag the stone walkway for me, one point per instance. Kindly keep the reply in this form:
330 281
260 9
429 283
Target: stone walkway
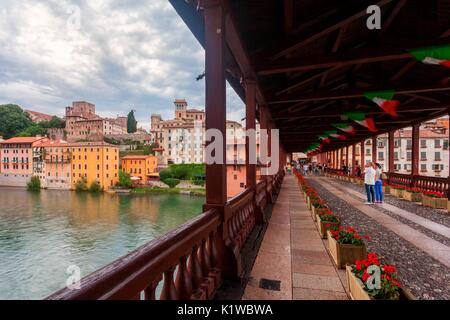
435 249
405 235
293 262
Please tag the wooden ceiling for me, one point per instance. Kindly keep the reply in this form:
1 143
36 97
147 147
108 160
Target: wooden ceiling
314 59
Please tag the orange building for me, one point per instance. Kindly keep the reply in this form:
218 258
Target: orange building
142 167
96 161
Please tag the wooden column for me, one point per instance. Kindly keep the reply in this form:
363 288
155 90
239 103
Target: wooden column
215 106
363 161
341 157
448 178
353 159
415 150
346 156
374 149
250 112
391 164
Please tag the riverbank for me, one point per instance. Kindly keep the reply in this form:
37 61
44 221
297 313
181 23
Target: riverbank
190 191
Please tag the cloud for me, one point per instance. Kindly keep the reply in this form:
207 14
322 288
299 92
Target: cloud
126 54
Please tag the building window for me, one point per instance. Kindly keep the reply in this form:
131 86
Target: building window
381 155
409 144
437 156
437 143
397 143
423 143
423 156
409 155
423 167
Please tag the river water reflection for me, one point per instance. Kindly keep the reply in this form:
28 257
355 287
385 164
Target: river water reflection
41 234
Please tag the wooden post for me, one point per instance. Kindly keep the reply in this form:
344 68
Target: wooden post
415 152
215 118
250 112
353 159
374 149
391 164
346 156
363 151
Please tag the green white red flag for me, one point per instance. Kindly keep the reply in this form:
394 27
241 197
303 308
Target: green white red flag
439 55
347 128
360 118
385 100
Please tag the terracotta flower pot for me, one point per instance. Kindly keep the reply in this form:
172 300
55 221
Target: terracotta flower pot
345 253
321 226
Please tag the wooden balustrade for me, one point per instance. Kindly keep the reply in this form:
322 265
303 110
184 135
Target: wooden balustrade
188 262
185 260
435 184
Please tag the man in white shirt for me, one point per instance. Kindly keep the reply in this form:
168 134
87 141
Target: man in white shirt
369 182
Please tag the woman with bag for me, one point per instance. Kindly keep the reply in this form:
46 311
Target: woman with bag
379 175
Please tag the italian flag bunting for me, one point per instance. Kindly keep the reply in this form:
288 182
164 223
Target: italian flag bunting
324 139
384 100
433 55
360 118
347 128
335 134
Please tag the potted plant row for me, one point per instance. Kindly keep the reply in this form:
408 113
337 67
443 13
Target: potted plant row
434 200
326 220
368 279
412 194
345 245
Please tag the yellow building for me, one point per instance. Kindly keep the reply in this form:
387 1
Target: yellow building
96 161
140 168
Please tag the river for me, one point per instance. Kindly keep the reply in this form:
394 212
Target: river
42 234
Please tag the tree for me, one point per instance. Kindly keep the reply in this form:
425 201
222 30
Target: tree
33 131
124 179
13 120
55 122
34 184
81 184
131 122
171 182
95 187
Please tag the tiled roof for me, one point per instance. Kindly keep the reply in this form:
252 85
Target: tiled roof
22 140
137 157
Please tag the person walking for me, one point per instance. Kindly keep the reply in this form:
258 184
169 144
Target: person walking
369 182
378 183
305 169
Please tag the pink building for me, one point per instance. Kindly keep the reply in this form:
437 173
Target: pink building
17 159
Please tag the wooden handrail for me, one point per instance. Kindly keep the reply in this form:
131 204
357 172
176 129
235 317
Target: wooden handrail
191 247
187 262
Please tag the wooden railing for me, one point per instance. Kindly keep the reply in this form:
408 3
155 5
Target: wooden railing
188 262
185 260
435 184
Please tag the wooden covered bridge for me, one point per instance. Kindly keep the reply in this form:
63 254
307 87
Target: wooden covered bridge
315 71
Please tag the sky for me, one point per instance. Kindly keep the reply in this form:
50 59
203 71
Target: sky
118 54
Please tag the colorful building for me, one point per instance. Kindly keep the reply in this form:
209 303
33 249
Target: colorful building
18 156
57 165
140 167
95 161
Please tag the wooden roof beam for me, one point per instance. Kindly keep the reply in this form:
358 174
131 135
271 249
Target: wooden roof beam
331 28
348 57
352 94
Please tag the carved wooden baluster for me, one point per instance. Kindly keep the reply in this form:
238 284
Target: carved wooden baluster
213 249
205 260
150 291
169 292
195 269
183 281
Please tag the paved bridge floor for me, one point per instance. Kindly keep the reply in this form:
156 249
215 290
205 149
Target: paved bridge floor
293 262
414 238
